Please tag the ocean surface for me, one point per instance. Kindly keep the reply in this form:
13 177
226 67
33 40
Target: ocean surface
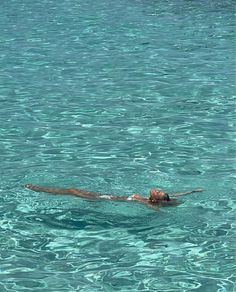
117 97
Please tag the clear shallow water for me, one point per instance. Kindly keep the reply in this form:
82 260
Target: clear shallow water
117 97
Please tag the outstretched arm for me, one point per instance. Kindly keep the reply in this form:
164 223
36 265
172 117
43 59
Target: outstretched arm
186 193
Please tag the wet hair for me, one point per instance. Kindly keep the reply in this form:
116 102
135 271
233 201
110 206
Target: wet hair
166 197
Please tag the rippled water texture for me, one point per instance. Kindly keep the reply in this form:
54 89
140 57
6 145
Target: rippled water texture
117 97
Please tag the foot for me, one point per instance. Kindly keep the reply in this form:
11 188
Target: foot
198 190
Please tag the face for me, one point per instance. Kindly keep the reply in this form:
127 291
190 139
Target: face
157 196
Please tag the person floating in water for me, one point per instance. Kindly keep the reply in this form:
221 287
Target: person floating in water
157 198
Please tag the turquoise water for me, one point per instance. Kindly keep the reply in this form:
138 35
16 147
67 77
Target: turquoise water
117 97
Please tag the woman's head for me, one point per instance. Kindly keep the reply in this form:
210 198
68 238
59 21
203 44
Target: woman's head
157 196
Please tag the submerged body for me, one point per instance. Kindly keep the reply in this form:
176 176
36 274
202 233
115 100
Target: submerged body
157 198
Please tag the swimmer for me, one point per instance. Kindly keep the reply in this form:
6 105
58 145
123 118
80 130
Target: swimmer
157 198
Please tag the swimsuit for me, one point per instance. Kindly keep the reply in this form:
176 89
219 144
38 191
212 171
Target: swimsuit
110 197
130 198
